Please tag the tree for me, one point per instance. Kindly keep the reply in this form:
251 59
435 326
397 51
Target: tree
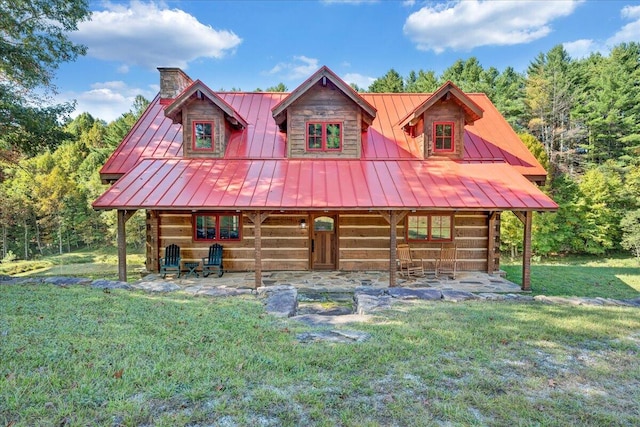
609 104
630 225
423 82
280 87
549 98
389 83
34 42
509 97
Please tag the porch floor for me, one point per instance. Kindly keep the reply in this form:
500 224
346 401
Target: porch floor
340 281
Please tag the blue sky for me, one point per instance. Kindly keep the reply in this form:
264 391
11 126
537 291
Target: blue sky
256 44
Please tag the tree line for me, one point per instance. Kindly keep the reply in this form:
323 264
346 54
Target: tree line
579 117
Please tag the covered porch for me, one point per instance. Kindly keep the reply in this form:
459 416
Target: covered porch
328 282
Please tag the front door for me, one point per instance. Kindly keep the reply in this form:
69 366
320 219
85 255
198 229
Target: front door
323 243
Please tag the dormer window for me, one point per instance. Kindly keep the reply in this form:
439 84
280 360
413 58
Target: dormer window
202 138
443 137
324 136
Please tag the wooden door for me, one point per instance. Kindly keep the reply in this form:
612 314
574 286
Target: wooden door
323 243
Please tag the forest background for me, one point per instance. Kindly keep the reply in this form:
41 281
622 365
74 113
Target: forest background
579 117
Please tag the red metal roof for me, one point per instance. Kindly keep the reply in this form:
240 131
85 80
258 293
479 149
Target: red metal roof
489 139
297 184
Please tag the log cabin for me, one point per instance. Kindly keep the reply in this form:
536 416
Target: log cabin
322 177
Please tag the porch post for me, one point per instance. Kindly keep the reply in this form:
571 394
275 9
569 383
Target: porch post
123 217
491 244
393 218
526 219
393 241
257 218
526 252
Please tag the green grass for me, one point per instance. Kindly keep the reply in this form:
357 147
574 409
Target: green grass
581 276
101 263
80 356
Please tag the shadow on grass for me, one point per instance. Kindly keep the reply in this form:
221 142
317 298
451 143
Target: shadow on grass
580 280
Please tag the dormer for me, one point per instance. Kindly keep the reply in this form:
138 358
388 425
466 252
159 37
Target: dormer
324 117
207 120
440 120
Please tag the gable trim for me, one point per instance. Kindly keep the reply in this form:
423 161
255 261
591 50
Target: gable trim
279 111
472 110
202 91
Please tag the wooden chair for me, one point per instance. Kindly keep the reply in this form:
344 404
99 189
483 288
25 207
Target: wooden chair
408 266
170 261
213 261
447 263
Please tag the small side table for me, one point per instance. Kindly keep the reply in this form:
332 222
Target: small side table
192 266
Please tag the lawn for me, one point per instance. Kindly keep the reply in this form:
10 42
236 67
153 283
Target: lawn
98 263
607 277
81 356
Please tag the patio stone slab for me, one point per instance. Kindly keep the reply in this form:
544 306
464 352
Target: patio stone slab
280 300
333 336
411 293
67 281
455 296
110 284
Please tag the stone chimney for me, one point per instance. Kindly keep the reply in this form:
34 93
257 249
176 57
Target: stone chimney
172 82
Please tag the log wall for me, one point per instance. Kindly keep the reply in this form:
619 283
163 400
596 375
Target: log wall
363 241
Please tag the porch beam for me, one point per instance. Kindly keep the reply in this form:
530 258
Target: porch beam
257 218
123 217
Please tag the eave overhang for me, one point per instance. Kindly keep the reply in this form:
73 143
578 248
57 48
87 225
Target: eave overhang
321 184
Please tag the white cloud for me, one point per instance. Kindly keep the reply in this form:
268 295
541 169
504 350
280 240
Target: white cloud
362 81
150 35
580 48
107 100
483 23
628 33
301 67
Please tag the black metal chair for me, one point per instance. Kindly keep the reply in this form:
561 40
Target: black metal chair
213 261
171 260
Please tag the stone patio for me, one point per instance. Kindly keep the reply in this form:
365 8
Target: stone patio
333 282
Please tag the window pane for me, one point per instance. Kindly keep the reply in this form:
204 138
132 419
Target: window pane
314 135
229 227
334 136
417 227
443 137
323 223
441 227
203 135
205 227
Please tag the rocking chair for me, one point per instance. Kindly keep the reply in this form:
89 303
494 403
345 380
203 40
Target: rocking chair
213 261
170 261
409 266
447 262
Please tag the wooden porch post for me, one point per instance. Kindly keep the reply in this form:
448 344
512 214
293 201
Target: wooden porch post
257 218
393 241
526 219
393 218
123 217
491 244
